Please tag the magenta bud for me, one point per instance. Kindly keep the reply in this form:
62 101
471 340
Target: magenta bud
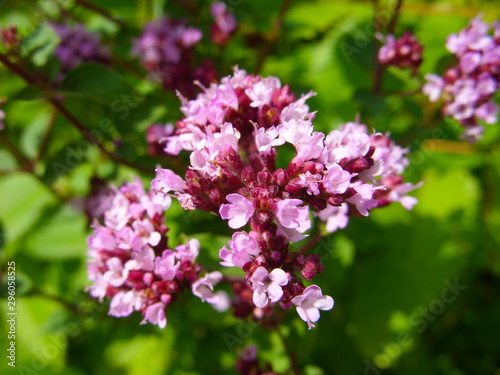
274 256
335 200
294 186
295 166
317 203
280 176
356 165
299 261
309 166
247 174
215 196
264 177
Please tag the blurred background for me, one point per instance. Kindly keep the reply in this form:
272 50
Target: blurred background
416 292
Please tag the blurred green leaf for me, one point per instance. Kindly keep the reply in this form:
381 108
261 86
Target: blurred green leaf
60 234
97 83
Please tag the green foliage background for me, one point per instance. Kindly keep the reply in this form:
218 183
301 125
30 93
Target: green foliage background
388 273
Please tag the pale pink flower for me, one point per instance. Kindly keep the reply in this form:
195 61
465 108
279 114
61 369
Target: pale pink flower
204 287
310 302
189 251
363 199
336 180
434 86
267 286
336 217
166 267
166 180
239 210
289 215
155 314
242 248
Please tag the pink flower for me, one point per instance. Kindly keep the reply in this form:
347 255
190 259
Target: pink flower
165 266
335 217
186 201
289 215
103 238
434 87
311 147
155 314
363 199
310 302
261 92
238 211
122 304
242 249
146 230
203 288
189 251
191 36
116 274
311 182
267 286
470 61
487 112
336 180
294 131
166 180
266 139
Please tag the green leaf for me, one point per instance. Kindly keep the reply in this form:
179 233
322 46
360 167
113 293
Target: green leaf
28 93
20 213
97 83
60 235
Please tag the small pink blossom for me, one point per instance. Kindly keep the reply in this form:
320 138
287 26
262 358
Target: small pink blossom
336 217
267 286
204 287
310 302
242 248
363 199
311 182
262 92
166 180
266 139
311 147
336 180
289 215
122 304
434 86
239 210
166 267
294 131
186 201
155 314
188 252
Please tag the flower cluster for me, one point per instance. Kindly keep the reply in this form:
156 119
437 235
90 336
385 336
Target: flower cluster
233 131
130 261
165 48
224 25
78 46
468 87
405 52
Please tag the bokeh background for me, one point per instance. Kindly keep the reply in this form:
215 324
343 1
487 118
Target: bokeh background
415 292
